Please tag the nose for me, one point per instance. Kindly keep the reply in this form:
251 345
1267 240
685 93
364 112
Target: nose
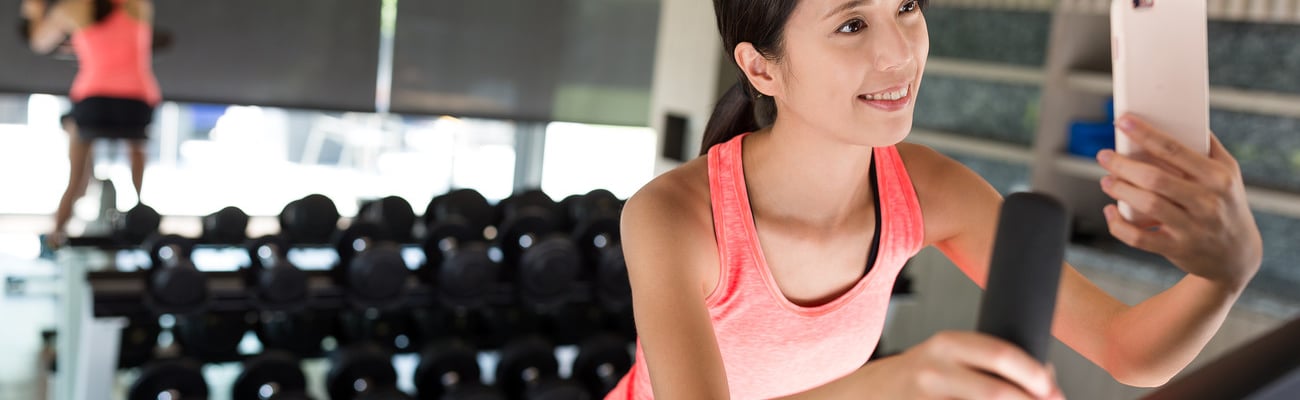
893 48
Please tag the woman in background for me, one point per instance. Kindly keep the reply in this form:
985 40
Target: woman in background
115 91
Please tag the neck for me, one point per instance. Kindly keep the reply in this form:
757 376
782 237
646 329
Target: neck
794 173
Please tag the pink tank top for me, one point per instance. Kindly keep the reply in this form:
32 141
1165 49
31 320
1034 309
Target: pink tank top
115 59
770 346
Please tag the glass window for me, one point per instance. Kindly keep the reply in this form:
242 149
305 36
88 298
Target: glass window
581 157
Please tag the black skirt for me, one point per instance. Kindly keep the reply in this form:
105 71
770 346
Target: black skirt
112 118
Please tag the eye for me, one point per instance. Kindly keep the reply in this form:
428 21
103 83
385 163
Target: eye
852 26
910 6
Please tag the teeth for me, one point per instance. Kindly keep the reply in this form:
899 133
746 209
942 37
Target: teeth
890 96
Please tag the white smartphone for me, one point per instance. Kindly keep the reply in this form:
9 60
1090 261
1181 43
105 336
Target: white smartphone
1161 74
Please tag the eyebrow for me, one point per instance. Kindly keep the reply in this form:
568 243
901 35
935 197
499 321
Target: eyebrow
846 6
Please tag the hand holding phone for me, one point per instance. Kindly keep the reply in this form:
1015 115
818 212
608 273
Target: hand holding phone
1161 74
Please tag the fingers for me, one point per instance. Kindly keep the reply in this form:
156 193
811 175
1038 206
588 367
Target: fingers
964 383
1161 146
995 356
1148 177
1156 241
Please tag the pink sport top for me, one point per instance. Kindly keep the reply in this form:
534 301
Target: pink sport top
770 346
115 59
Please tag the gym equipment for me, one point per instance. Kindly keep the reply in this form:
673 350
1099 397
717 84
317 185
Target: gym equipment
466 204
385 328
135 225
602 360
213 336
298 332
360 369
270 375
276 283
528 370
179 379
1020 296
449 370
458 263
226 226
370 267
139 339
175 285
394 214
543 263
1267 368
311 219
593 222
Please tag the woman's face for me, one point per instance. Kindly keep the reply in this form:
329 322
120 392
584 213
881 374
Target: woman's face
853 67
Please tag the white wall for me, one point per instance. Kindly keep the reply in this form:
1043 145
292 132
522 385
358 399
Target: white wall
687 59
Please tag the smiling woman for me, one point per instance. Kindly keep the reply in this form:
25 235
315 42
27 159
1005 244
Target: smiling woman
764 268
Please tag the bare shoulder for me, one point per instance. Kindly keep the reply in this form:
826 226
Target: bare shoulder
949 192
669 222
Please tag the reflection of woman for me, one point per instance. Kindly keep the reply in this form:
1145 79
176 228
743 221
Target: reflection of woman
115 91
763 269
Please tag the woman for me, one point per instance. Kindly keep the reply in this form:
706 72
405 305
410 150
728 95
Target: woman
747 265
114 92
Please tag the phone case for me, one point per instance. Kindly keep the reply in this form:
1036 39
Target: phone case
1161 73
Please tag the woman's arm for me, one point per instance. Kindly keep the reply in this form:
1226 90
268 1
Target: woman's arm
1146 344
47 28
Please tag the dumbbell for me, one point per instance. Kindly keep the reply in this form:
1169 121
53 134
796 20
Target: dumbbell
465 204
593 221
135 225
458 263
449 370
370 267
602 361
540 260
138 341
393 213
273 375
362 371
176 379
277 284
175 285
528 370
299 332
213 336
389 328
226 226
311 219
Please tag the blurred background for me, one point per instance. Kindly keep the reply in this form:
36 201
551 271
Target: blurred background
267 102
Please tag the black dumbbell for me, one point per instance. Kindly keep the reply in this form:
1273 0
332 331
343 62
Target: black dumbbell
135 225
226 226
298 332
540 260
139 340
175 285
179 379
602 361
459 264
277 284
311 219
370 266
393 213
388 328
273 375
449 370
213 336
466 205
528 370
593 221
361 371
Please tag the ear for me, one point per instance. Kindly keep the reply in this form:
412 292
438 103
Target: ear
760 70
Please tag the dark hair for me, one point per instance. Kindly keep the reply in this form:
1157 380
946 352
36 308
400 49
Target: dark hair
742 109
761 23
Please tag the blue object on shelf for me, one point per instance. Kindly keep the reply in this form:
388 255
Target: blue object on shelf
1088 138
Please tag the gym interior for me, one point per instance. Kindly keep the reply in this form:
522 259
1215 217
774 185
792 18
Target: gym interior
422 198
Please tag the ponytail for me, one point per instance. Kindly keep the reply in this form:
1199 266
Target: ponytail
737 112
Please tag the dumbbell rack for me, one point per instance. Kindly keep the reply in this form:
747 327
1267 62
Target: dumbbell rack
97 297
